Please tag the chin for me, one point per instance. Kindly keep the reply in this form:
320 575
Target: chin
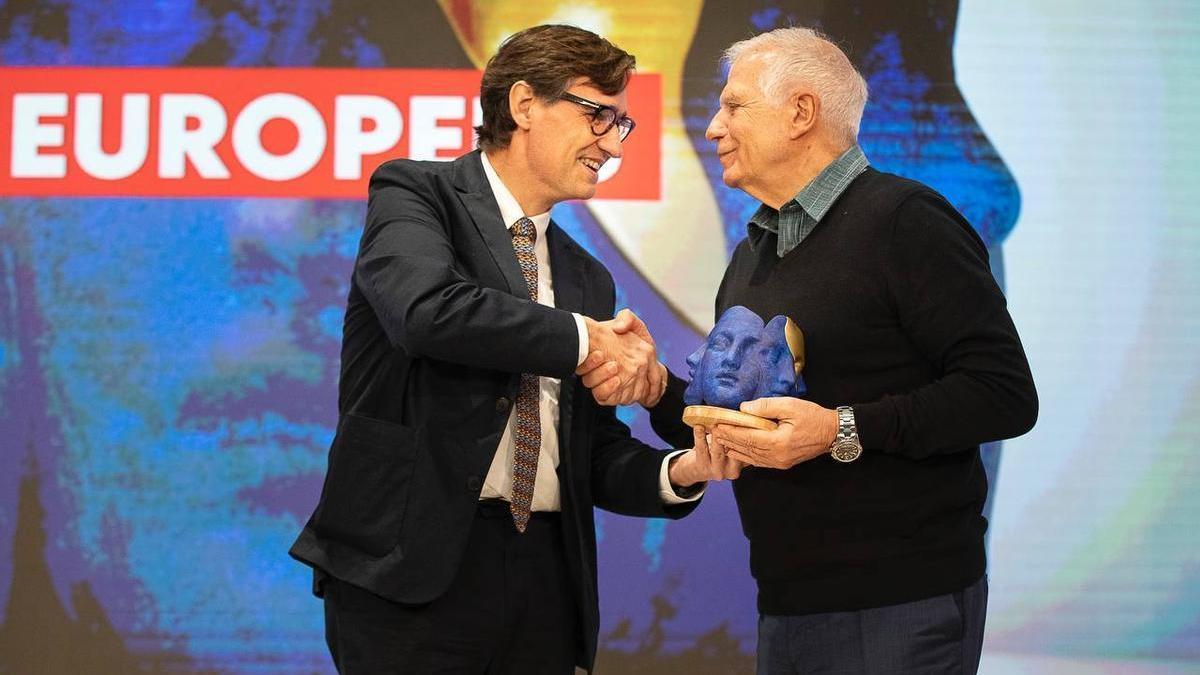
582 190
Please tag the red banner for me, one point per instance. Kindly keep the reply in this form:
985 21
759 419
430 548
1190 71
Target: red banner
264 132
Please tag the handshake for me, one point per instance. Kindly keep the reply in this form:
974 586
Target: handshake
622 367
622 364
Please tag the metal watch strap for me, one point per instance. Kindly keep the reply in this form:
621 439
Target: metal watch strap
846 446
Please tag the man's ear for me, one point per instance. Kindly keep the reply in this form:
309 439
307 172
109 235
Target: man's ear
803 106
520 103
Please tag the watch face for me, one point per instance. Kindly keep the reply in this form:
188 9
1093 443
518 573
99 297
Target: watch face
847 451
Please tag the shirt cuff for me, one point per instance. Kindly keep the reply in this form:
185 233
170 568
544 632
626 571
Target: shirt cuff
668 493
581 328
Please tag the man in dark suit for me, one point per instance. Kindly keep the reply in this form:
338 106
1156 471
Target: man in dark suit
454 531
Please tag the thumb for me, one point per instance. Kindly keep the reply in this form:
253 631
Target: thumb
775 407
624 321
634 324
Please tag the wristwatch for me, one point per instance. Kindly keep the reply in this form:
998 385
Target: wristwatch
846 447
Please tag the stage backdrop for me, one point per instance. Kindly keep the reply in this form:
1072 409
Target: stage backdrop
181 195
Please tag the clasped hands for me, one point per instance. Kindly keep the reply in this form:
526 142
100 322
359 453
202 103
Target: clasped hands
622 365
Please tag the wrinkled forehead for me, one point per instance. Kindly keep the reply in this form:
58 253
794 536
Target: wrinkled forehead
745 77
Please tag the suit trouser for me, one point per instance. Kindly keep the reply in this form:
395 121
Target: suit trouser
942 634
509 610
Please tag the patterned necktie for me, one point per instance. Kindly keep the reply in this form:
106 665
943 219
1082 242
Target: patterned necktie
528 432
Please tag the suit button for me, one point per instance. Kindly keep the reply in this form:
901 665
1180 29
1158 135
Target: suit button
474 483
502 405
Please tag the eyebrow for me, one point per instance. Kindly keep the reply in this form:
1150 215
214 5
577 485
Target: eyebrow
612 106
620 113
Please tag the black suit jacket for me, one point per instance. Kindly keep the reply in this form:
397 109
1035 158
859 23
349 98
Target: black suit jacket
439 326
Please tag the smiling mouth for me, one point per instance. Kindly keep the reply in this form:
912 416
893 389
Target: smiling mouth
592 164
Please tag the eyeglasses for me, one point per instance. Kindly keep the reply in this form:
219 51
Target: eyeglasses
604 117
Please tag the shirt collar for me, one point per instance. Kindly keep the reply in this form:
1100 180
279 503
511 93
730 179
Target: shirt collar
817 197
510 210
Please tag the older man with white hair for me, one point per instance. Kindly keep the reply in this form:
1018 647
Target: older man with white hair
864 507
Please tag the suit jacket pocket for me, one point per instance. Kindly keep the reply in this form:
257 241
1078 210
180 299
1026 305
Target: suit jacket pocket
367 485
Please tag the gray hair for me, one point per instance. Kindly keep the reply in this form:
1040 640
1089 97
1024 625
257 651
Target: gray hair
803 56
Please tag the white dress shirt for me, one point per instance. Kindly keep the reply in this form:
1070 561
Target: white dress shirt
546 490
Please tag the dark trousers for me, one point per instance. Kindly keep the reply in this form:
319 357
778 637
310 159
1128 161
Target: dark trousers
510 609
943 634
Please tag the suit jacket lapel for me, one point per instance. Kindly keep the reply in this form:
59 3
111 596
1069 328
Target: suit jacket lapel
567 270
476 195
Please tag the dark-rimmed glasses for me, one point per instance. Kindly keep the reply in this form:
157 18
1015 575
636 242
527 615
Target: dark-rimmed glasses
604 117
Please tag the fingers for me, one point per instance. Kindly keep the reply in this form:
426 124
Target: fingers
732 469
608 389
634 392
775 407
726 467
633 358
606 392
743 439
600 375
716 453
628 322
698 457
624 321
654 375
712 459
623 393
595 359
639 389
656 385
723 462
641 365
752 446
743 459
630 359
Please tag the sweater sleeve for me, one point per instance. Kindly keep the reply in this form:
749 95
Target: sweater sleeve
666 418
951 308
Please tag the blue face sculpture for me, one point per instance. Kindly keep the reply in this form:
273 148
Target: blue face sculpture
742 360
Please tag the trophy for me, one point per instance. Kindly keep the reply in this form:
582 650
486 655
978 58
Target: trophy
741 360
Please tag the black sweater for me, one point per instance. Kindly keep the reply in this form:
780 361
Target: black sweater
902 320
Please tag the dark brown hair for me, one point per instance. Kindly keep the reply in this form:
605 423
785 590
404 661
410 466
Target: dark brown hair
547 57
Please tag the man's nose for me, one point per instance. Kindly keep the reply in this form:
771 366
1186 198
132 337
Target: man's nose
716 127
610 142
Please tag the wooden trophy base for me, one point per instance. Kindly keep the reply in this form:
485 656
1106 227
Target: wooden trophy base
709 416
